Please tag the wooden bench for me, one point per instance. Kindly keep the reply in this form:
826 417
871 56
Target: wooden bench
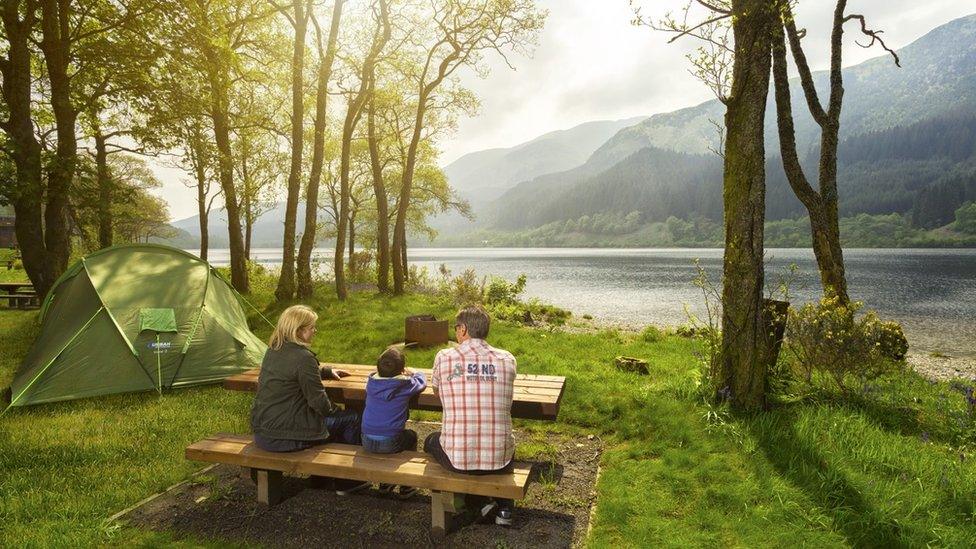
534 396
21 300
19 294
352 462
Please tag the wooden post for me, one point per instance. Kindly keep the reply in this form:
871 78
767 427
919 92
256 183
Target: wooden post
443 507
269 486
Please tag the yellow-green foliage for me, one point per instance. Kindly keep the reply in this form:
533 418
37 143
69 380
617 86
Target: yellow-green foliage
831 338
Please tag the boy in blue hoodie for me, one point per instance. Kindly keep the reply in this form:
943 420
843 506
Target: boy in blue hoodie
388 394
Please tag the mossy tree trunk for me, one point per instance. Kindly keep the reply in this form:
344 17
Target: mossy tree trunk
742 369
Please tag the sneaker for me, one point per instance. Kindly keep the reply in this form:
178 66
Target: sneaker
488 508
406 492
386 488
351 487
503 516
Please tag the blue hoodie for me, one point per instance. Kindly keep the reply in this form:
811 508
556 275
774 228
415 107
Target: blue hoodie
387 403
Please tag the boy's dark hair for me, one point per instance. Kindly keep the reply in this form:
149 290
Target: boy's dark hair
391 362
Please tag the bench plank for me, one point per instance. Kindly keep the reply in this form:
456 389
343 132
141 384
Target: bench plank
352 462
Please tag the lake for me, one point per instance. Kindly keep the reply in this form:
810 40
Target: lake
931 292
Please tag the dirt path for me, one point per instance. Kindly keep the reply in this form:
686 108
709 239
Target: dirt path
221 506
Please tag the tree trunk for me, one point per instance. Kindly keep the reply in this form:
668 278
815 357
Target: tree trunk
353 113
742 372
403 259
25 150
821 205
827 250
203 212
248 231
104 206
382 205
342 216
352 244
286 281
220 85
400 227
56 45
318 157
247 201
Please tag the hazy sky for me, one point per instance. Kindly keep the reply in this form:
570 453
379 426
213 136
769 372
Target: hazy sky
592 64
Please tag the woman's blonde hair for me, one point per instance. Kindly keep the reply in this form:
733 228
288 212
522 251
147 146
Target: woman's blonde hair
292 320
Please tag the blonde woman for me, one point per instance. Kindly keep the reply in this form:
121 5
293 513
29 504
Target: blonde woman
291 410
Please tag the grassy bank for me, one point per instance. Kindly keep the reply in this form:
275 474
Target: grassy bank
889 468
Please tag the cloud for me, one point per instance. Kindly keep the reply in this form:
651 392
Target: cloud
592 64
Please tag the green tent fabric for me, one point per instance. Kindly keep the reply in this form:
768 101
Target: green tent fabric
135 318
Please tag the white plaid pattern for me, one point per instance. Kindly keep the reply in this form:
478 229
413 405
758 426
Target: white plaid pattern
475 382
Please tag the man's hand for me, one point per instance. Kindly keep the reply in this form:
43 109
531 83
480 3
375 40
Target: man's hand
339 374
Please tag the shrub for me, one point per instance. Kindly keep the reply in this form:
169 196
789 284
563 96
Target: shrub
360 267
831 339
652 334
894 344
465 289
500 291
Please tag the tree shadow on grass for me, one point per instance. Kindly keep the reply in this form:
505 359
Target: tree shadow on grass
799 461
903 418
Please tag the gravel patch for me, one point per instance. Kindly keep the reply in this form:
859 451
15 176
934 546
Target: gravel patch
942 367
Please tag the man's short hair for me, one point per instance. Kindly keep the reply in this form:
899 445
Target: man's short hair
391 362
475 319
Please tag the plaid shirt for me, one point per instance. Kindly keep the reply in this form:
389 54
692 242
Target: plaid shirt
475 382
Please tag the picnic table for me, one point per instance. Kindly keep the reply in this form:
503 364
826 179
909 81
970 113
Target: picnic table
18 294
535 396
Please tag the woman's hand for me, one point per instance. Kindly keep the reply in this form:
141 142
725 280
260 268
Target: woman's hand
339 374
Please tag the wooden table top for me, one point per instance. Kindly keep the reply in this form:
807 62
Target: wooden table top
14 286
535 396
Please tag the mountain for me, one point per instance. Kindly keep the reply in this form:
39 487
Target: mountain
661 166
927 169
489 173
267 230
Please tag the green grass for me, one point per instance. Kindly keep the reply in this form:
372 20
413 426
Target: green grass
885 469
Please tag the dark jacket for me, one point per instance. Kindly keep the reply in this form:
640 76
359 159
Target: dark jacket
387 400
291 402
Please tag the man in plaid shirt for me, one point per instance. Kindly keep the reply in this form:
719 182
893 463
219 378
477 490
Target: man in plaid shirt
475 382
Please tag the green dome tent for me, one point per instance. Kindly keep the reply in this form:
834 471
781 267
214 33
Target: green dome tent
135 318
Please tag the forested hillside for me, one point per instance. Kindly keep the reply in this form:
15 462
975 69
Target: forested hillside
927 169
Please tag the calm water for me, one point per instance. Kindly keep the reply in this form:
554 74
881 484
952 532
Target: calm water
931 292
